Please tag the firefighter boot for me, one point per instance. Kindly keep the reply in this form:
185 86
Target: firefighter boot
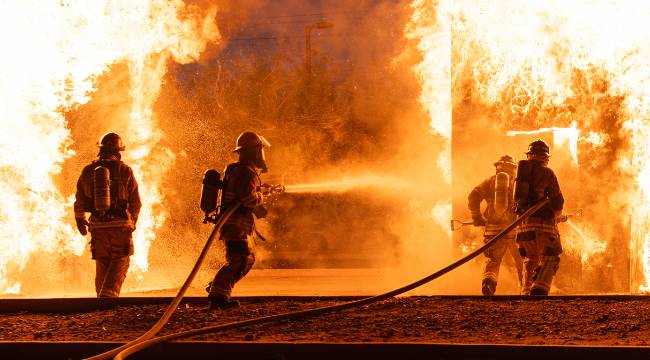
220 302
488 287
538 292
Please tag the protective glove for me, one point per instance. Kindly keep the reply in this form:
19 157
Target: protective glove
82 225
265 189
561 218
260 211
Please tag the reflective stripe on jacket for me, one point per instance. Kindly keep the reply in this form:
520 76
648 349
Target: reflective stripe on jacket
539 225
543 184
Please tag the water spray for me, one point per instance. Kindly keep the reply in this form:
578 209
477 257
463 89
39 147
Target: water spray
591 244
577 230
346 184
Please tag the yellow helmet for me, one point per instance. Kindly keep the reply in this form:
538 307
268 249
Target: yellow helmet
250 139
111 142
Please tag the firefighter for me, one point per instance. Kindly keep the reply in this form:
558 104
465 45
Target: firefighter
241 183
108 191
496 191
537 237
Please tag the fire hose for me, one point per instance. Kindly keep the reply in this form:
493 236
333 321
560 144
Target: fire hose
458 224
145 341
179 296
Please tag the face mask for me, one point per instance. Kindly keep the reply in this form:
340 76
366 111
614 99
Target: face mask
542 158
260 160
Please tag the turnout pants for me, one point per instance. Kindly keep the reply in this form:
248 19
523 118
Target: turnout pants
111 248
239 261
494 256
541 253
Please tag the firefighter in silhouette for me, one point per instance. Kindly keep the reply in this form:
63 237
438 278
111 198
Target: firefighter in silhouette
537 237
108 191
241 183
496 191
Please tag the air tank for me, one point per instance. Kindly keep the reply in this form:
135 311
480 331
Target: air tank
501 185
522 186
102 188
210 191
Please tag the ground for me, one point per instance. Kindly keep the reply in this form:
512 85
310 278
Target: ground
408 319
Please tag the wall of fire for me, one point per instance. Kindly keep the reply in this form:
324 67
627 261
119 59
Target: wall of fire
597 257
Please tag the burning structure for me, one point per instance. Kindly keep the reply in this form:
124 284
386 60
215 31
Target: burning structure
53 69
438 89
544 70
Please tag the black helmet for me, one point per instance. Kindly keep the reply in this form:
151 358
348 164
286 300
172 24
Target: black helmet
111 143
506 160
250 139
538 147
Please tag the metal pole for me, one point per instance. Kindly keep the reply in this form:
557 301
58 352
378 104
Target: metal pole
308 30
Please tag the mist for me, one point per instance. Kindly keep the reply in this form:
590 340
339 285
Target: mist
355 149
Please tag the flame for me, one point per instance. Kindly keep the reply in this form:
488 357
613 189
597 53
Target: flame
440 213
523 57
51 65
430 26
561 136
433 32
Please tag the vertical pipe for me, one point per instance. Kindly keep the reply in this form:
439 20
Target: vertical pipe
308 29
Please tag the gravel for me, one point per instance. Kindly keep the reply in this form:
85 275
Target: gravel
410 319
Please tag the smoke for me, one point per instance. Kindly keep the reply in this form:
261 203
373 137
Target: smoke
350 141
102 78
562 87
594 184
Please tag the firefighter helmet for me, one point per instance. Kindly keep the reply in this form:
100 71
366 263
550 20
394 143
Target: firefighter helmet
111 142
250 139
506 160
538 147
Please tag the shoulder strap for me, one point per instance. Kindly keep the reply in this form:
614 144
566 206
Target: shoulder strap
231 167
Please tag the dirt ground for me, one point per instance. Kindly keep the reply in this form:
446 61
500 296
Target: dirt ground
410 319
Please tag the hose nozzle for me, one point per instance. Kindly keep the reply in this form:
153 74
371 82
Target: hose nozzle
457 224
268 189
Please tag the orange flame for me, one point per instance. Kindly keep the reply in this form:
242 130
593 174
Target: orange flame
51 65
432 30
531 51
561 136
